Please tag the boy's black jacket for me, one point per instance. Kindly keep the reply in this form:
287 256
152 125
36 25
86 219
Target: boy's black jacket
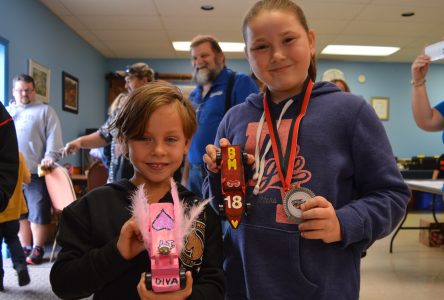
89 262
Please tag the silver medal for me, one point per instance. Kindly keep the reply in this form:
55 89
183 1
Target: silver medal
293 200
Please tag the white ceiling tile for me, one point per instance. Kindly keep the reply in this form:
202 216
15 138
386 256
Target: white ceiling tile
399 29
132 53
192 8
371 40
136 45
110 7
330 27
130 35
120 22
331 11
388 11
220 35
412 3
202 26
145 28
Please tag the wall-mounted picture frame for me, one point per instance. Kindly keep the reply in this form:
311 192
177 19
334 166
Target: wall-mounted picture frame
70 93
42 79
381 106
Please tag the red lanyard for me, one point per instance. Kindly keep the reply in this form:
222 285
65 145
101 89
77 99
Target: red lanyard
277 152
5 122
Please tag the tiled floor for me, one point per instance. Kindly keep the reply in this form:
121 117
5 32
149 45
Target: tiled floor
38 289
412 272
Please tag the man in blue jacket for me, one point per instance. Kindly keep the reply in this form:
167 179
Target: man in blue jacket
218 89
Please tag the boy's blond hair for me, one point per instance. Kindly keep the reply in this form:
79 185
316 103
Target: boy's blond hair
135 113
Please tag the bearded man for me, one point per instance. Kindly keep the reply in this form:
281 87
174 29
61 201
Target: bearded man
218 89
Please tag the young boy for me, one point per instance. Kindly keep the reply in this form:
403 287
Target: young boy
102 252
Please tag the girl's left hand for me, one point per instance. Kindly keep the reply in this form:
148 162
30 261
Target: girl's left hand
145 294
320 221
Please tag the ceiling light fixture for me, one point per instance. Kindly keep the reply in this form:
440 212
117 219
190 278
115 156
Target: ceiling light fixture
226 46
207 7
359 50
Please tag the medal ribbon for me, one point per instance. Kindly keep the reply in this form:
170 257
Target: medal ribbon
292 144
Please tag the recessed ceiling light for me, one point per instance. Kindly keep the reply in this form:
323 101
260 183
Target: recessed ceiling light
359 50
226 46
408 14
207 7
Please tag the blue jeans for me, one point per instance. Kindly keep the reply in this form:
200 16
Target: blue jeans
196 177
9 232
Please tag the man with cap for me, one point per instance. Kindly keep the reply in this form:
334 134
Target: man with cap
136 76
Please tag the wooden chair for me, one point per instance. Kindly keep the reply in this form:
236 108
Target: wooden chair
97 175
61 192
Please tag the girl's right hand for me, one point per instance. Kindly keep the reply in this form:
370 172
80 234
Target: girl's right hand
130 242
210 157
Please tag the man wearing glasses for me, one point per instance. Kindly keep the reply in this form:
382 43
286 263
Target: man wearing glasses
39 136
136 76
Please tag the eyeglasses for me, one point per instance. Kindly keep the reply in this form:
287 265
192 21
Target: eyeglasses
27 91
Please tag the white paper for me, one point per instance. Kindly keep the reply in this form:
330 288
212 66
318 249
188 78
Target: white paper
435 51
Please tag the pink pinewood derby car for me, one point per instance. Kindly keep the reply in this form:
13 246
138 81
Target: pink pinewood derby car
165 275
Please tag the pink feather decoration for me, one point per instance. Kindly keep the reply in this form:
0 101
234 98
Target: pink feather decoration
179 212
183 222
140 210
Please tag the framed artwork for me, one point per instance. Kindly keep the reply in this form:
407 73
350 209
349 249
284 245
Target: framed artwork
70 93
381 106
42 78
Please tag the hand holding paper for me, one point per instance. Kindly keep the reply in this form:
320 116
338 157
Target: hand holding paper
435 51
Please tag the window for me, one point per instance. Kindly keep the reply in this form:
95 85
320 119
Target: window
3 71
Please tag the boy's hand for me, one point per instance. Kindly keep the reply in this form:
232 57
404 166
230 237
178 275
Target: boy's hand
130 242
320 221
145 294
